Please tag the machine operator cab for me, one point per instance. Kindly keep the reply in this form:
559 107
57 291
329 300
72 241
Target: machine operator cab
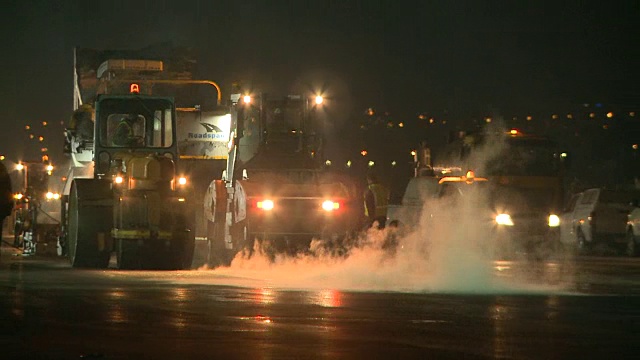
133 124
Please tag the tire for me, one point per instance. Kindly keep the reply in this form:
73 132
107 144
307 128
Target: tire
127 256
582 245
632 248
189 247
62 248
180 256
217 253
242 240
85 223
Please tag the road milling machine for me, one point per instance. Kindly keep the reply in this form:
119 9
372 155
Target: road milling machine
124 190
274 189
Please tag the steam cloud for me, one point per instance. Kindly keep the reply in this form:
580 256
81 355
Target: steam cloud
450 252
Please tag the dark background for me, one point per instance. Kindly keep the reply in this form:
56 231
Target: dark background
457 62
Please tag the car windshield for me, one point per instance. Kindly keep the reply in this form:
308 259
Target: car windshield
522 199
136 122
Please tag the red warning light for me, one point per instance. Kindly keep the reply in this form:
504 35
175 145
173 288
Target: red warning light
134 89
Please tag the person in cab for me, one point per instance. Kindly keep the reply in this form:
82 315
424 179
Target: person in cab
124 134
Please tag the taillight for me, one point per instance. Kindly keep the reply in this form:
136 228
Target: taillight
329 205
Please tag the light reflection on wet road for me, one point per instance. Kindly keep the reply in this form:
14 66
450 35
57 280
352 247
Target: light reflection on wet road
587 308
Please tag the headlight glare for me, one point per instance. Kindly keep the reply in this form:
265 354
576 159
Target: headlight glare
504 219
265 204
554 220
329 205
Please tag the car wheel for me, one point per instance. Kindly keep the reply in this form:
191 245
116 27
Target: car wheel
632 247
583 246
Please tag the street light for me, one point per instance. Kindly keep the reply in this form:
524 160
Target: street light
319 99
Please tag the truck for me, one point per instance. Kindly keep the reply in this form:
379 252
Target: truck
128 198
526 173
524 187
274 191
202 121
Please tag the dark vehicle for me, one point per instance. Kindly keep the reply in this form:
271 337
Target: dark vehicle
274 188
527 175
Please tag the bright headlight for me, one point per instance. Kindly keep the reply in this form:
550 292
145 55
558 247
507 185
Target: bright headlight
52 196
265 205
18 196
554 220
118 179
182 180
504 219
329 205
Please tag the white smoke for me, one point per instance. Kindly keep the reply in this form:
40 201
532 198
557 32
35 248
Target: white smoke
451 251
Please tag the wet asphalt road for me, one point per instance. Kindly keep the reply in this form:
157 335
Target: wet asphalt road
588 308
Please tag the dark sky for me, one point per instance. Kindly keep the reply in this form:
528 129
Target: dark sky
405 57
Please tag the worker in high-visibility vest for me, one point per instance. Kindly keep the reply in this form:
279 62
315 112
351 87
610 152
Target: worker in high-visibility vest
376 201
124 135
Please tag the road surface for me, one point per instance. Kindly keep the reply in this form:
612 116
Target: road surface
315 308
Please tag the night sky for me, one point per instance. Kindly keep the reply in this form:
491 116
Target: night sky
404 57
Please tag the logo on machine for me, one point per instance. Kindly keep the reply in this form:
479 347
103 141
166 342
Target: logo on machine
211 128
212 133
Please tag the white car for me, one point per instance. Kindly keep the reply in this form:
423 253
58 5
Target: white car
633 230
596 216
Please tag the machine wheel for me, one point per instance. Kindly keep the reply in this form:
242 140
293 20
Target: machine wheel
87 231
583 246
62 248
632 248
218 254
127 257
242 240
181 251
179 255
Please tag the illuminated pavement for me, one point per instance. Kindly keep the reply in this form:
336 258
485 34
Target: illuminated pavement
585 308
